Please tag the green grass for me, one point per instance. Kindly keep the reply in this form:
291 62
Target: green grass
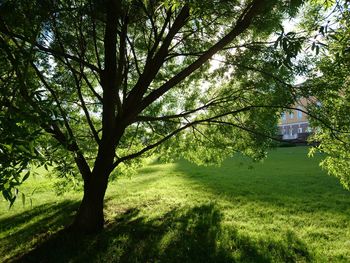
284 209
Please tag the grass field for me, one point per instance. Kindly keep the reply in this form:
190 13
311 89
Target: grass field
284 209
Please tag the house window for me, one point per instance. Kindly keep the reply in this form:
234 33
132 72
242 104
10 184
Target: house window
300 130
300 114
283 116
291 115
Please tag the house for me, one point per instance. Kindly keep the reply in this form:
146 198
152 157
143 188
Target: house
294 124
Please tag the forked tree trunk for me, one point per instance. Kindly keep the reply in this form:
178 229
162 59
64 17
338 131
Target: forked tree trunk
90 218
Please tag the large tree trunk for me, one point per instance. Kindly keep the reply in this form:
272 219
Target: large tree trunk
90 218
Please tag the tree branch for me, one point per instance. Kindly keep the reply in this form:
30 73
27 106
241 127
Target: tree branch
153 64
132 48
242 24
94 36
63 113
213 102
170 135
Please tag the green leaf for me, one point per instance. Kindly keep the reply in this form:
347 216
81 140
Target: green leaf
25 177
321 30
6 194
333 36
313 46
23 199
7 185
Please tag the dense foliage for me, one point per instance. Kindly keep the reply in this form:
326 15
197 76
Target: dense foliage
331 86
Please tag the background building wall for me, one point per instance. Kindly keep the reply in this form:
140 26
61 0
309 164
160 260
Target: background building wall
294 124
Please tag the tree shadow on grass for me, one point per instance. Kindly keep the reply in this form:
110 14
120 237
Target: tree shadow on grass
300 191
193 234
34 226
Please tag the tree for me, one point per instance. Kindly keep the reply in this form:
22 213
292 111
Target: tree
329 83
110 81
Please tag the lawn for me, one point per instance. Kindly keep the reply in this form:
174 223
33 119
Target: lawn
284 209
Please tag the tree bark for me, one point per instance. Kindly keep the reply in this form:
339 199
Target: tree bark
90 218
